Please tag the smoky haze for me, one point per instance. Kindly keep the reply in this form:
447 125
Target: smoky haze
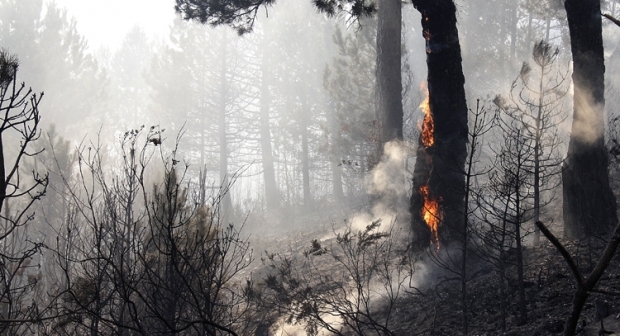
273 139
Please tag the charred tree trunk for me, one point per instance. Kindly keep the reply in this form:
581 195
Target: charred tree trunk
389 79
589 204
441 165
3 182
421 174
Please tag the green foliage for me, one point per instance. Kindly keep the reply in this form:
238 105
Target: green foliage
241 14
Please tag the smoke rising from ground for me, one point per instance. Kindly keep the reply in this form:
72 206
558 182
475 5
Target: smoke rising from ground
387 184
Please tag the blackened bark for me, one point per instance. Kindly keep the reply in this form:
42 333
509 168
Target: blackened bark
444 161
421 174
579 300
589 204
3 182
389 81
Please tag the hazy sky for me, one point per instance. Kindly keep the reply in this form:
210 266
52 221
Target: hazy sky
105 22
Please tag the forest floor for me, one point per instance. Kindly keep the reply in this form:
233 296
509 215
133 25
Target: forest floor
549 290
435 309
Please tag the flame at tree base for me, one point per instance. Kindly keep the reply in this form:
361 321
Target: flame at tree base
431 213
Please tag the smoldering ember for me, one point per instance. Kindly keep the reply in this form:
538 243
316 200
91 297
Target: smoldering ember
323 167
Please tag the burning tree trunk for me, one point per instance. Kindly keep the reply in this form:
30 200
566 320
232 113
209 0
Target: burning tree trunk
589 204
438 174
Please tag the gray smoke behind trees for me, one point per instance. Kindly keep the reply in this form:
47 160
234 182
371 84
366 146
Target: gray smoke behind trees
279 126
145 82
173 82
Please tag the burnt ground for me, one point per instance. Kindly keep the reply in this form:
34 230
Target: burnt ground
549 289
435 309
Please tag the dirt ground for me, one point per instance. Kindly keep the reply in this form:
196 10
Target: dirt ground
435 308
549 289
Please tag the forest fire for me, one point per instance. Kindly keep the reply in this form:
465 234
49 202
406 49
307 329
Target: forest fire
431 213
428 125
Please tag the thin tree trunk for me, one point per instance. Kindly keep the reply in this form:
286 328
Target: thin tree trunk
305 161
518 221
3 182
519 182
548 28
335 158
226 206
513 34
537 153
528 39
501 47
521 285
502 265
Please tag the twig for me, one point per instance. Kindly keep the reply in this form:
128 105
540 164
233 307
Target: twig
612 19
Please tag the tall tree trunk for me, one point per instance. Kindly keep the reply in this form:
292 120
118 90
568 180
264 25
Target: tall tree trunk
335 156
502 36
305 161
528 38
3 181
589 204
389 97
171 283
389 81
226 205
537 155
513 33
272 194
547 28
519 248
441 166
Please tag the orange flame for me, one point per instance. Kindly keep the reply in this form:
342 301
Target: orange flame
428 125
431 211
431 214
